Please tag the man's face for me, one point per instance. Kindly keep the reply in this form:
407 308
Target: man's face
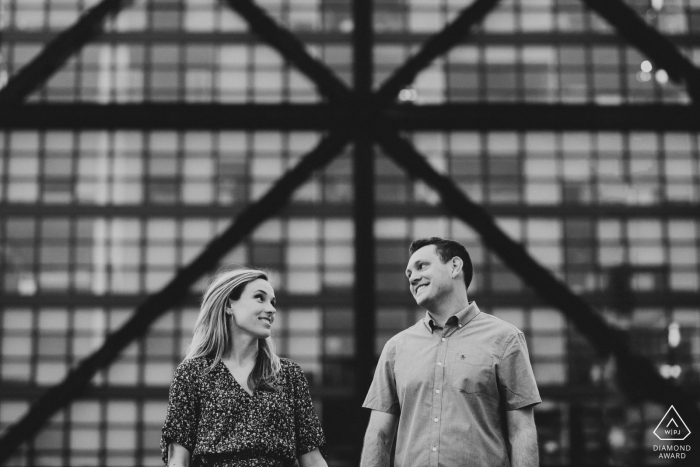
429 279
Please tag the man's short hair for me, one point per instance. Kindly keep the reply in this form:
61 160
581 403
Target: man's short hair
446 250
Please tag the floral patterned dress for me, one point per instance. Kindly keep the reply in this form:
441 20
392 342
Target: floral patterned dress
222 425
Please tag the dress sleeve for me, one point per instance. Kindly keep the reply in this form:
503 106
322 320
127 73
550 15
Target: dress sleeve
183 414
307 428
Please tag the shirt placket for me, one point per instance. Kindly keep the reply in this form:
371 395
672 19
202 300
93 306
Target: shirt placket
438 395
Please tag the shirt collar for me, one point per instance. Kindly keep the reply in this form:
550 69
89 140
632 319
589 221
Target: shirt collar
460 319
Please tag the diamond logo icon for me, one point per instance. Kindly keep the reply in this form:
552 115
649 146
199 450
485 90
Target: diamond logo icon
672 427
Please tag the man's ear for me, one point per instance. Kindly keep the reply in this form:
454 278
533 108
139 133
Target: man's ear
457 265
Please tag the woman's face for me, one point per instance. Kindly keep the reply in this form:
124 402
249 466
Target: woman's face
254 312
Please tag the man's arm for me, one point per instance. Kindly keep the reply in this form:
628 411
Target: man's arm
522 435
379 437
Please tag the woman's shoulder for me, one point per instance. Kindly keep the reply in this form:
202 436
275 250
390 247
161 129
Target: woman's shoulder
289 366
194 365
291 372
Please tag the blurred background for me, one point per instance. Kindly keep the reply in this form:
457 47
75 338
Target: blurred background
100 211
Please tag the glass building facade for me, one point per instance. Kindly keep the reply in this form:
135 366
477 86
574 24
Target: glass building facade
93 221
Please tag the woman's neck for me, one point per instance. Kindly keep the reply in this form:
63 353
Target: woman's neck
244 350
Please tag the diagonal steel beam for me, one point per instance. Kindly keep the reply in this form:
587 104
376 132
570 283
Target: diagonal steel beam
55 54
435 46
650 42
155 305
511 253
636 376
292 49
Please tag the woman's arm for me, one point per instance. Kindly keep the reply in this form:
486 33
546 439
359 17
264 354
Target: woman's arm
312 459
179 434
178 455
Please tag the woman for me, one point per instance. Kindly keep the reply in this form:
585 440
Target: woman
233 401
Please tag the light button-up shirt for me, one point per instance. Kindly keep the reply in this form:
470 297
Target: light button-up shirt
463 377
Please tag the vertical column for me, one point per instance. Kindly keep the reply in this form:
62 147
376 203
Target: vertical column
363 212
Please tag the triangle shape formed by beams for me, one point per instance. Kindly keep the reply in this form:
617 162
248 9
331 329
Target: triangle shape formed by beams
141 57
584 61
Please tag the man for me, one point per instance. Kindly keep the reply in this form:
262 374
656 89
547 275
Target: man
458 383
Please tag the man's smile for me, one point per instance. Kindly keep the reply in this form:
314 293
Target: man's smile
419 288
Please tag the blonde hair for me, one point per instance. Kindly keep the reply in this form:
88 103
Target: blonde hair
212 338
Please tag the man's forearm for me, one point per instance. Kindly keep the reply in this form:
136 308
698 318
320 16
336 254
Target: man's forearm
376 450
524 451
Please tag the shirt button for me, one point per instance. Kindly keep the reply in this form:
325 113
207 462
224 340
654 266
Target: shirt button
437 391
439 363
459 326
434 449
444 339
435 419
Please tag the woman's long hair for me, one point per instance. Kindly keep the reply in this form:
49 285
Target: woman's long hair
212 337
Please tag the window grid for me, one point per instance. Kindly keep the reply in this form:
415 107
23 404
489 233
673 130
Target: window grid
214 168
131 256
163 70
414 16
547 73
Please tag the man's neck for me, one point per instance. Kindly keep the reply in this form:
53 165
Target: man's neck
445 310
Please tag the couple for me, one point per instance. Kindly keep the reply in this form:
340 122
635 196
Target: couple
458 383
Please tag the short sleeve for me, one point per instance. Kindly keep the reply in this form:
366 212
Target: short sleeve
181 420
382 395
307 428
516 381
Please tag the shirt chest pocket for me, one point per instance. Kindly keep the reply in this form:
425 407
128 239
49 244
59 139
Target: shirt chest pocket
473 373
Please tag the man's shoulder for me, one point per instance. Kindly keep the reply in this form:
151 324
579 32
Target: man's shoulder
416 331
497 325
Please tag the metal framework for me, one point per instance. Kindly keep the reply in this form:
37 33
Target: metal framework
365 118
55 54
325 116
652 43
